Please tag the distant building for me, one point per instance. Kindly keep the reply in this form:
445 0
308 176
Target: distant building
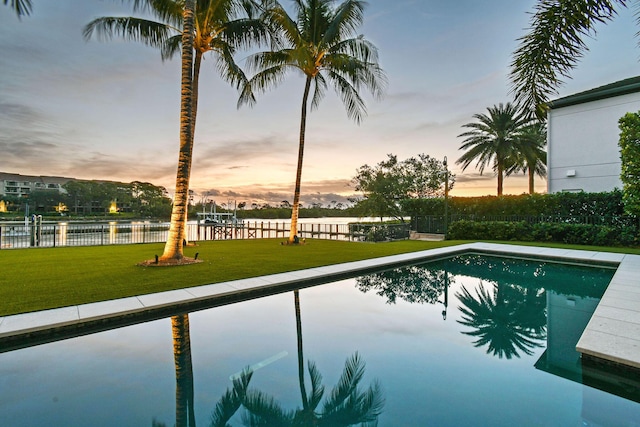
12 184
583 134
113 196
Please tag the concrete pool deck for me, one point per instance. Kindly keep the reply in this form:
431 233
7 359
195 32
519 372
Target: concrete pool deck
613 333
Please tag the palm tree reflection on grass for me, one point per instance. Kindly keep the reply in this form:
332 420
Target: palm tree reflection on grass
346 405
509 320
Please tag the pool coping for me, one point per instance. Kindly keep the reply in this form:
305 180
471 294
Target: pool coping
612 334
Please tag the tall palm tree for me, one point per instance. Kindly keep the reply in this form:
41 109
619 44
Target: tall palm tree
530 156
553 46
220 27
321 43
492 140
173 247
20 7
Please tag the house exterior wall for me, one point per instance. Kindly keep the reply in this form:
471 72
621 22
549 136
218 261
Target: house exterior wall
582 144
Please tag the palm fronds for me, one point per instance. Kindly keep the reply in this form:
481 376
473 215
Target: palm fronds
20 7
553 46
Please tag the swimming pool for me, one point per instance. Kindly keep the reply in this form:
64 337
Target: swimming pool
471 340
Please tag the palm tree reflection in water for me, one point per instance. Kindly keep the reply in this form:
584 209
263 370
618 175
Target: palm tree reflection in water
184 370
346 405
185 415
510 319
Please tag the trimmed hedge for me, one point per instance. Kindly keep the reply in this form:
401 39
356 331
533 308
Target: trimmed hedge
605 204
582 234
574 218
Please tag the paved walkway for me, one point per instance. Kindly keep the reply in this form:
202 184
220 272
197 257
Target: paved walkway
613 334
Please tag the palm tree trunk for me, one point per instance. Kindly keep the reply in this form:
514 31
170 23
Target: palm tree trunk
173 248
194 113
500 178
531 175
184 371
303 391
296 192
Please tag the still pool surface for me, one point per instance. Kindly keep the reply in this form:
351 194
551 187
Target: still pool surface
468 341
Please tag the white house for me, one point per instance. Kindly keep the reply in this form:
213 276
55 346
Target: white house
13 184
583 134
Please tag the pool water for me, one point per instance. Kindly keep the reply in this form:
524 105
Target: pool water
467 341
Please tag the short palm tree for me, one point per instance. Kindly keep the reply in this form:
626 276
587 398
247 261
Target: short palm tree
220 27
492 140
322 44
553 46
531 156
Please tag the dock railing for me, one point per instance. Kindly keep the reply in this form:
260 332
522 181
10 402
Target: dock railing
20 235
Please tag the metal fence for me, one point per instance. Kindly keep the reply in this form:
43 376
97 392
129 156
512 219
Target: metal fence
379 232
21 235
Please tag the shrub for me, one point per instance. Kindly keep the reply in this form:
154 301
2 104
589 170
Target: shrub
630 157
489 230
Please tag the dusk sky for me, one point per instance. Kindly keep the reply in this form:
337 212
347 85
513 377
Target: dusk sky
110 110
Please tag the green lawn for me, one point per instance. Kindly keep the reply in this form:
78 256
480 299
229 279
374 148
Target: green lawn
37 279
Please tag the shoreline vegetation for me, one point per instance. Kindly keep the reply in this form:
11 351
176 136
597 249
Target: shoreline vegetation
39 279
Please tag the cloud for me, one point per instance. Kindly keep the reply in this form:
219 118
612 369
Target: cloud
237 154
475 177
32 144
